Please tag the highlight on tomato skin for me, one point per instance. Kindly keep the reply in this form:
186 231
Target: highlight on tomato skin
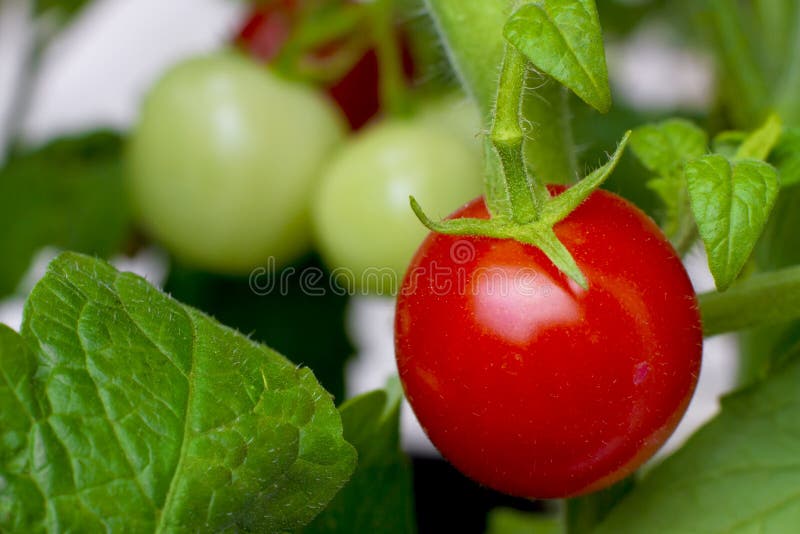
533 386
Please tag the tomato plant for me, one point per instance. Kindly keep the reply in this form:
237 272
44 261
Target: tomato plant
365 189
532 385
221 163
547 336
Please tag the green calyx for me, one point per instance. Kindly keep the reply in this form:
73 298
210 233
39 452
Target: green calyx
538 231
521 206
535 233
548 36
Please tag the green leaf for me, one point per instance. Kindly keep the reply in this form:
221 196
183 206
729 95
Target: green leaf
731 202
786 157
149 416
727 143
379 496
738 474
21 502
68 194
563 39
665 147
510 521
278 309
760 143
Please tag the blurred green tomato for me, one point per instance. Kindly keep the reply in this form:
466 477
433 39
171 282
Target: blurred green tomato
456 114
224 160
364 225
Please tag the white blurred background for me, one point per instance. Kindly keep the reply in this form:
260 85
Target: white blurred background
97 71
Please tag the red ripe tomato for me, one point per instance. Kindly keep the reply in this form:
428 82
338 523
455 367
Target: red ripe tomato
531 385
357 92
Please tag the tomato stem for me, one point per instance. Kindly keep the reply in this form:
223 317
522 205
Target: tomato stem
517 198
763 299
527 196
472 36
394 92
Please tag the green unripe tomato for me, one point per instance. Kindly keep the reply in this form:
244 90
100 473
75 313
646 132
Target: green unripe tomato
224 160
454 113
364 225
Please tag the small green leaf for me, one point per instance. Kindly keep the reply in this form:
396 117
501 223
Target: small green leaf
665 147
738 474
148 416
279 309
68 194
786 157
760 143
510 521
731 202
379 496
727 143
563 39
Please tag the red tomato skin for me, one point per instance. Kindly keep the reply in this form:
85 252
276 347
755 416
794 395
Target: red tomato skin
527 383
358 92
